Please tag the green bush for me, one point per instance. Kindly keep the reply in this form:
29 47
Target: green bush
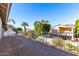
17 30
58 41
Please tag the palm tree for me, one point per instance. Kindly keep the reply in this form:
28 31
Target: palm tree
24 24
9 25
11 20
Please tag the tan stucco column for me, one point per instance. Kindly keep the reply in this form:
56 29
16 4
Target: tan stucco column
0 28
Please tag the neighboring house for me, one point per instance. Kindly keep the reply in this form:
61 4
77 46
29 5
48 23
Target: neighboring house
64 30
4 14
29 29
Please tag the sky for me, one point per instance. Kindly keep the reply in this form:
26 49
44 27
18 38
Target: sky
55 13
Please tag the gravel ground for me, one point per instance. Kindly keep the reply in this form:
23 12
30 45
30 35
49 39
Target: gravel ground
20 46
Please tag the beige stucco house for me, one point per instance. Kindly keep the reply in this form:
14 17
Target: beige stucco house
64 30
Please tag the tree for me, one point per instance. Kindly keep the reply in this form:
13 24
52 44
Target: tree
17 30
42 26
11 20
44 21
24 24
77 26
36 22
46 28
10 25
38 28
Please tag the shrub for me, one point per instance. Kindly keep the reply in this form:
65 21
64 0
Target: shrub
76 49
24 33
17 30
32 34
58 41
69 46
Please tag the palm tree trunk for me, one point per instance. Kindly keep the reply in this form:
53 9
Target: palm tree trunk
24 28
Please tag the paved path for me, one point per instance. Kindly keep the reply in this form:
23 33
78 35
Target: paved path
20 46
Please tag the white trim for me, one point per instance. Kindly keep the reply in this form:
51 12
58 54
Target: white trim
0 28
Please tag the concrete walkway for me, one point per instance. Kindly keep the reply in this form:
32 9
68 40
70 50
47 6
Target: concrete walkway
20 46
